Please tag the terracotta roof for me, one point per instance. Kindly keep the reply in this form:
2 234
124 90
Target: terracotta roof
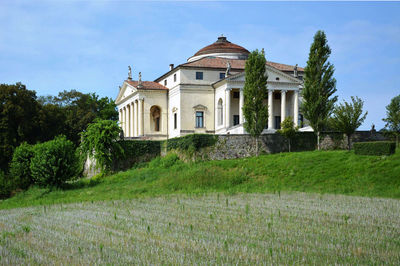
222 45
147 85
216 62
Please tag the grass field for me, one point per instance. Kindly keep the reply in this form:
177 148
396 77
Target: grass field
333 172
285 228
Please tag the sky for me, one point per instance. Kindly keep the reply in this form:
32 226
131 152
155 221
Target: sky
51 46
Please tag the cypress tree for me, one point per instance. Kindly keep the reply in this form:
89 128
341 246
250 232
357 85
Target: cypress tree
255 110
319 85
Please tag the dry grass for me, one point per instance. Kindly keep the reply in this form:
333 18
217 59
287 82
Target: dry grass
294 228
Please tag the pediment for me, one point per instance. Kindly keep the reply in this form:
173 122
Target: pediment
200 107
274 75
125 92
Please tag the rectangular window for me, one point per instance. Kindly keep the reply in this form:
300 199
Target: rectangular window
199 75
199 119
175 121
165 82
277 122
235 120
236 95
221 75
175 77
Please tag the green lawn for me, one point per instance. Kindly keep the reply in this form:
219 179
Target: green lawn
332 172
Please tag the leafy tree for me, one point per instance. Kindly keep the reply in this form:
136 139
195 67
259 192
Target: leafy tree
393 117
347 117
20 170
82 109
19 111
99 141
288 130
255 92
319 85
55 162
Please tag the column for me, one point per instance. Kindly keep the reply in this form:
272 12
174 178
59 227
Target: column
296 108
123 121
283 105
128 120
270 109
131 119
120 117
241 102
135 119
140 120
227 108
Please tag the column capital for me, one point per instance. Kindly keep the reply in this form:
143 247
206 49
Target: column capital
271 90
228 89
283 91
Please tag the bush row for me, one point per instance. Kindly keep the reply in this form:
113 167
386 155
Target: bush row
375 148
47 164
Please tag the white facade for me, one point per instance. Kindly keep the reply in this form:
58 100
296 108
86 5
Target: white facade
195 97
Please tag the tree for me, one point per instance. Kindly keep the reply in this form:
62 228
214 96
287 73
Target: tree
288 130
393 117
255 92
347 117
99 141
319 85
19 111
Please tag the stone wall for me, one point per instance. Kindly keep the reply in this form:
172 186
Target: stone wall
238 146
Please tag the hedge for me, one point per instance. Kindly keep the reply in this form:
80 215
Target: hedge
136 151
192 142
374 148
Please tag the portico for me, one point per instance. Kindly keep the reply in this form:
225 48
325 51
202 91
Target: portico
282 101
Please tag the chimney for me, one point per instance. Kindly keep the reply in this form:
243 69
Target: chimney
171 66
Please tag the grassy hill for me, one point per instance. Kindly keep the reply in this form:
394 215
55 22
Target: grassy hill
333 172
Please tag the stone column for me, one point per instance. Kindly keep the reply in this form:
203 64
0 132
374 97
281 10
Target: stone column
241 102
283 105
135 119
123 121
140 120
228 108
296 108
120 117
131 122
270 109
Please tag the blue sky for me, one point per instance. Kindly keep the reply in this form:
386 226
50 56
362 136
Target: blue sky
87 45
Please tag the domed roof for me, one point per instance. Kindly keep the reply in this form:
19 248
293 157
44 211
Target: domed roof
222 48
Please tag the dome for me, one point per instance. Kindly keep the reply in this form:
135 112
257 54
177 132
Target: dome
221 48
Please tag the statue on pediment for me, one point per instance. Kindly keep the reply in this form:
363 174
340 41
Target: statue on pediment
129 73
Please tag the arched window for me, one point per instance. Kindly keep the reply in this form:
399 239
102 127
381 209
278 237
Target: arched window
155 115
220 112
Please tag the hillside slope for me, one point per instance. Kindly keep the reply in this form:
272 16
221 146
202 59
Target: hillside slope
334 172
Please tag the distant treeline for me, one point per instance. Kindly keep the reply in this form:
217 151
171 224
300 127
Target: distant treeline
25 117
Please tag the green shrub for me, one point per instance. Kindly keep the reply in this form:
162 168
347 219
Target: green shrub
191 142
165 162
99 141
375 148
20 170
54 162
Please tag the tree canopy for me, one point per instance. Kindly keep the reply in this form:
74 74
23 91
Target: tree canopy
319 85
255 110
347 117
26 117
393 117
